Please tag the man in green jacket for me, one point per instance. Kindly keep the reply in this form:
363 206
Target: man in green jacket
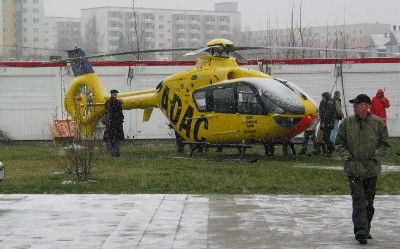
362 142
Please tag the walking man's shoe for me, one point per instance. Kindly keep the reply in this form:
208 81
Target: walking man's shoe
361 237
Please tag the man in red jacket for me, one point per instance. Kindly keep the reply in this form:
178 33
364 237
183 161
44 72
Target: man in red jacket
379 104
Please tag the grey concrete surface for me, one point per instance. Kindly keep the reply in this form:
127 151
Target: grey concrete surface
190 221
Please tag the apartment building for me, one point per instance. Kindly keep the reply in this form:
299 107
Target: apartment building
159 28
7 27
22 28
62 33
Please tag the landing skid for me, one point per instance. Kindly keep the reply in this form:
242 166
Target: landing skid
202 146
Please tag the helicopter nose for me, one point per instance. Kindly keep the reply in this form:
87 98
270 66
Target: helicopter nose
307 120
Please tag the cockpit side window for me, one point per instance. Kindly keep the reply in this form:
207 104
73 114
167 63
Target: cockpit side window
200 99
224 100
247 101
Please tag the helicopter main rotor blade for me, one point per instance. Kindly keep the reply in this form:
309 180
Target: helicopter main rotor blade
237 48
238 56
121 53
197 51
216 48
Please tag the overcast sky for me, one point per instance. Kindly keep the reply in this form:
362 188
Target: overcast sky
257 13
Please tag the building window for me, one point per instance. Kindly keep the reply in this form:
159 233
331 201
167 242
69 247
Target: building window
160 18
148 16
180 17
160 26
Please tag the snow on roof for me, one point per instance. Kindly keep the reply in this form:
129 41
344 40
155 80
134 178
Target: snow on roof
379 40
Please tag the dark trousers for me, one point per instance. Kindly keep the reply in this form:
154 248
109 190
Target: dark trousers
307 135
363 194
326 137
179 142
288 148
113 147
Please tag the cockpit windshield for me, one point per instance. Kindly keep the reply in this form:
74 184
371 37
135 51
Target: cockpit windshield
279 97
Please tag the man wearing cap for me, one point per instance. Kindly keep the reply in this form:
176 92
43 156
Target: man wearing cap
362 142
114 119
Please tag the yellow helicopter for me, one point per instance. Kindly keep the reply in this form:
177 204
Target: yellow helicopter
217 103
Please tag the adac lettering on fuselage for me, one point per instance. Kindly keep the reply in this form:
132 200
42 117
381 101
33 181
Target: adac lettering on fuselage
174 112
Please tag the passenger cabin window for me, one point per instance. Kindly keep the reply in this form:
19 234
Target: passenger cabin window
247 101
235 98
224 100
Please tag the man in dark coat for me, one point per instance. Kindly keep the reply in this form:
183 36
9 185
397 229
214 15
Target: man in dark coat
327 112
114 119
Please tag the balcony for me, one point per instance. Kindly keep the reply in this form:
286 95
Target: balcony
114 19
180 21
194 40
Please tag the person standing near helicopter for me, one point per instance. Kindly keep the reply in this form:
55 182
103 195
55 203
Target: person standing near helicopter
114 119
379 104
338 115
326 112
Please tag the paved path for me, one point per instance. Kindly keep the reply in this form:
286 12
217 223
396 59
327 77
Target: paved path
190 221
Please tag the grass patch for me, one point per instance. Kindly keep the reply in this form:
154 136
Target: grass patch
32 169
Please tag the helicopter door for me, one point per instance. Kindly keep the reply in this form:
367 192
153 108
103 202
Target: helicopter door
247 100
224 121
251 113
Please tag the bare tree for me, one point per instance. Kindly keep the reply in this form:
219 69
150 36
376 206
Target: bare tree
81 153
136 38
277 35
297 36
305 34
